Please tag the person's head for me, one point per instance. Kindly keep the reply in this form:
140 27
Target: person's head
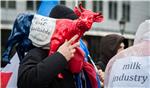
61 11
143 32
110 45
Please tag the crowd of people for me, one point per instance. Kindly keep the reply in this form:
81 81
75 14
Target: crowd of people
38 70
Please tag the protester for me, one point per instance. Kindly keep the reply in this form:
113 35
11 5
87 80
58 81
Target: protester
130 67
39 70
32 72
110 45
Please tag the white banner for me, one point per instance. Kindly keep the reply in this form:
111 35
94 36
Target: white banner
10 72
41 30
130 72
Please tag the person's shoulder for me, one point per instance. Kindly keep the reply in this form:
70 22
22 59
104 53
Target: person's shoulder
38 52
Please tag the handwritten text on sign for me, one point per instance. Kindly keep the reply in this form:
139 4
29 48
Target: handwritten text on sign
41 30
130 72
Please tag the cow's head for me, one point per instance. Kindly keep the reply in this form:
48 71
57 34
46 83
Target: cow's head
87 17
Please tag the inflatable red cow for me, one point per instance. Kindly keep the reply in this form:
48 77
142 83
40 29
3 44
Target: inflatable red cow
66 29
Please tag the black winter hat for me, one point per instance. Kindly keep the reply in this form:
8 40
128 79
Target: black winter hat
61 11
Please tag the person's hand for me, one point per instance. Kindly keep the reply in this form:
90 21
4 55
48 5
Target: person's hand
101 76
68 50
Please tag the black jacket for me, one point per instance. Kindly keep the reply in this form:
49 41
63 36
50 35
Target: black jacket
39 71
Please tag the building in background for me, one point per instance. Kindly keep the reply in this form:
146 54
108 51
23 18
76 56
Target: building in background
128 14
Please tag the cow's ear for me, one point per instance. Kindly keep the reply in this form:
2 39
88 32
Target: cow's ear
98 17
77 12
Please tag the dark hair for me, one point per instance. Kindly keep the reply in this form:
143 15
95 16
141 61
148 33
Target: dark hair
109 46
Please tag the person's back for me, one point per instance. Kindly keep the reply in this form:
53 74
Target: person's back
39 71
130 68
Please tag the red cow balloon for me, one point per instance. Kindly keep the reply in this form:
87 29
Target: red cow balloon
66 29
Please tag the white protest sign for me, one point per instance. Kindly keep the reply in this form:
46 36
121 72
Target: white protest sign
41 30
130 72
